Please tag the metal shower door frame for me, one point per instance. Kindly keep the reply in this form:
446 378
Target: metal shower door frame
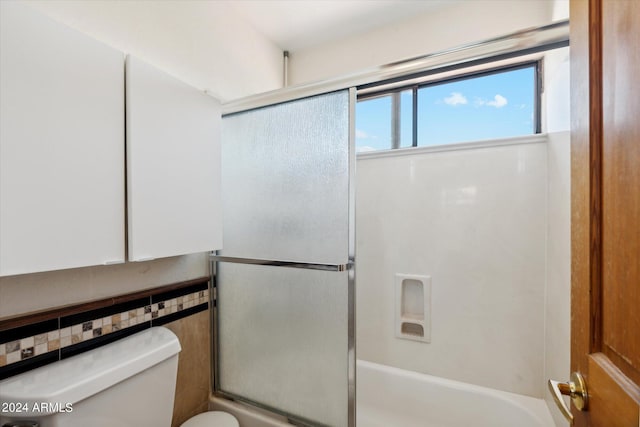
351 282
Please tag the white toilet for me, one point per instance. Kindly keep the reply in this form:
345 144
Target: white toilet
130 382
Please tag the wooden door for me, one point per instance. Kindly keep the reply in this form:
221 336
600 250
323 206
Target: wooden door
605 312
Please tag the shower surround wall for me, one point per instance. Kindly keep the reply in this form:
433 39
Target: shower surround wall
475 221
489 342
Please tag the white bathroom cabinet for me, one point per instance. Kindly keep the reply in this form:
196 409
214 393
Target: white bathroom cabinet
173 165
62 152
61 146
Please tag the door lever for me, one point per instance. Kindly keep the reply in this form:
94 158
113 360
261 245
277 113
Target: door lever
576 389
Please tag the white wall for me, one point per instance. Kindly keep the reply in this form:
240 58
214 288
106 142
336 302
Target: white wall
475 221
555 97
557 327
461 23
202 43
557 334
32 292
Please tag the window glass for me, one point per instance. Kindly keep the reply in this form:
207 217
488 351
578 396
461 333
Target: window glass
493 106
373 124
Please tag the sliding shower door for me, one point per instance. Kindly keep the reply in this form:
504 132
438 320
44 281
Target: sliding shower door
284 312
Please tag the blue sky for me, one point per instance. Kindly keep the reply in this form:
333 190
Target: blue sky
493 106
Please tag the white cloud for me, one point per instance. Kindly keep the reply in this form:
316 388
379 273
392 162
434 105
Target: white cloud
455 99
499 101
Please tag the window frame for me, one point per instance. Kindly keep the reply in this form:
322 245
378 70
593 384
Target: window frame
398 88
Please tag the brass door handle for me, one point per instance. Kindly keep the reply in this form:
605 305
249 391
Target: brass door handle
576 389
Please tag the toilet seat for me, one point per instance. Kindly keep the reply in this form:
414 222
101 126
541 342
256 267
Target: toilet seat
212 419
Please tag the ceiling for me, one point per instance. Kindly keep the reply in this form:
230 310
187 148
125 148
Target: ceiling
297 24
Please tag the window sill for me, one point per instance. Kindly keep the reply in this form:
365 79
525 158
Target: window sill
517 140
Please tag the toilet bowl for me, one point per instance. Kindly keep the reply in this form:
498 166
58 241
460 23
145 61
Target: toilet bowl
212 419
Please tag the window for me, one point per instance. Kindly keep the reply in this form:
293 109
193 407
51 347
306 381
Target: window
488 105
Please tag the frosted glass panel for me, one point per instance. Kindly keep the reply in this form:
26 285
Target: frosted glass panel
285 181
283 339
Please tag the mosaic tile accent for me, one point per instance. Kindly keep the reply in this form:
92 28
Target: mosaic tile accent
69 335
13 337
92 329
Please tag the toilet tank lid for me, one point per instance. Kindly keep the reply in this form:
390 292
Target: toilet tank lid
76 378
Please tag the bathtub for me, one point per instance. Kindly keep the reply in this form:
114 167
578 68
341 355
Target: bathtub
391 397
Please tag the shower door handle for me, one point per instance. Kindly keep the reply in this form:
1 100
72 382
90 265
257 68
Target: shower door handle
576 389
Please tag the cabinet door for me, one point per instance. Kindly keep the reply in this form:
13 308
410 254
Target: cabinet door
61 146
173 165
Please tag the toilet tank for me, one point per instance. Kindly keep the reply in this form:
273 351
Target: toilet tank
130 382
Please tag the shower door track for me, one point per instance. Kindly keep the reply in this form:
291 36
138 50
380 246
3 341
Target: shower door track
291 264
524 42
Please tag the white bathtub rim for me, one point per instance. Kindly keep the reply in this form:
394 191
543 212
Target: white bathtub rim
520 401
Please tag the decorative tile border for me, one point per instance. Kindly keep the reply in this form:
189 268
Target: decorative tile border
70 330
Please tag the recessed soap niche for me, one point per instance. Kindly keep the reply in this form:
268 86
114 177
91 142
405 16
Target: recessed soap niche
413 307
